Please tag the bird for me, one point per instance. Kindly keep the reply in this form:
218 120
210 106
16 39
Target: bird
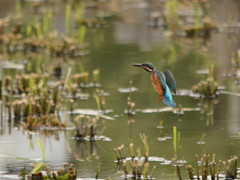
162 82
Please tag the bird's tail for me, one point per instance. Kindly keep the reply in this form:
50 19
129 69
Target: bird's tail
167 99
168 102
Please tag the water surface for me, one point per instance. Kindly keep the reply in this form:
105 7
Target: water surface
113 50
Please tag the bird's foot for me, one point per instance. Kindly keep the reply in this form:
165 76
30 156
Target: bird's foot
160 98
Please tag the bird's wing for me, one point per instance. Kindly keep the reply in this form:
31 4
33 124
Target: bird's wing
162 79
167 98
170 80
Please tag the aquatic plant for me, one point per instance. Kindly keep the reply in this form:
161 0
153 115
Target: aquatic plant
207 88
18 6
38 35
37 102
87 128
96 74
66 172
207 108
42 149
231 167
0 88
171 15
176 140
81 79
130 111
67 18
100 100
174 16
204 29
139 166
130 107
84 22
208 168
203 25
235 67
235 60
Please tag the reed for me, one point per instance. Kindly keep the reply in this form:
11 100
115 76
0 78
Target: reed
138 166
67 19
96 73
231 168
45 23
100 100
212 167
0 88
18 6
97 173
190 172
172 15
17 108
86 124
178 170
176 140
210 170
42 149
146 147
81 34
132 153
38 29
28 31
81 79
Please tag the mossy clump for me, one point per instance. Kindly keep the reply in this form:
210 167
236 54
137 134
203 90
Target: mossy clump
67 172
204 29
206 88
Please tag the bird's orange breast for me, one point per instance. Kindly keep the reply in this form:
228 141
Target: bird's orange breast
156 83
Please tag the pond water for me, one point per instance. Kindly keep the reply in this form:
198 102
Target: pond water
127 40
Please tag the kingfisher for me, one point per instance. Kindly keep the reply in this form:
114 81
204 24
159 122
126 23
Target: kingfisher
162 82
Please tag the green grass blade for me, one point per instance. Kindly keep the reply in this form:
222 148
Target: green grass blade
37 168
97 101
175 139
81 35
42 149
18 6
67 77
29 31
67 19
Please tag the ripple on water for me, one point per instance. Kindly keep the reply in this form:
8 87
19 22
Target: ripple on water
93 112
168 109
127 90
164 138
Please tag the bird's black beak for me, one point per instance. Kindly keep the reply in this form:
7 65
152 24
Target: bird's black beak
137 65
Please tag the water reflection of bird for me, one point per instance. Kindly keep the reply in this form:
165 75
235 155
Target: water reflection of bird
162 82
